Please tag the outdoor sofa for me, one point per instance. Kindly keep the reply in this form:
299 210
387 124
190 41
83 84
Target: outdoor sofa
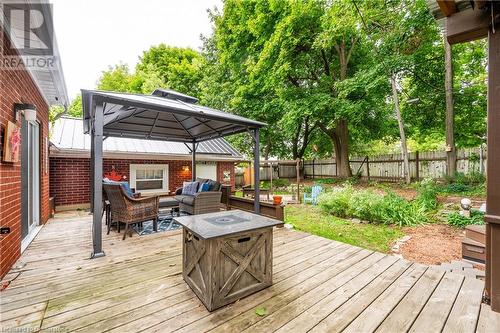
200 202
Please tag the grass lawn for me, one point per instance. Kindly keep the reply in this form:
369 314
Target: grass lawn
311 219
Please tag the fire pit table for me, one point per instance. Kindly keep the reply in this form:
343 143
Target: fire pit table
227 255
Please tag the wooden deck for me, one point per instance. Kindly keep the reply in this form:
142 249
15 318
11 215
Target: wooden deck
319 286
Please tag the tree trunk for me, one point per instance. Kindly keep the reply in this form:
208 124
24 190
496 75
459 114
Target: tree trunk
404 149
341 146
451 153
340 139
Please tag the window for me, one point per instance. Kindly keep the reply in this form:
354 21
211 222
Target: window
149 178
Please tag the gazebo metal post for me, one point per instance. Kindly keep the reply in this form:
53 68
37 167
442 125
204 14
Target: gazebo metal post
96 151
193 161
91 173
256 170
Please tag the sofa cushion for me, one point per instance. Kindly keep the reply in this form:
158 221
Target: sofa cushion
214 185
180 197
188 200
189 188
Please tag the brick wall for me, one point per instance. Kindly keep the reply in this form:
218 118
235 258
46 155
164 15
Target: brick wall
18 87
70 177
226 166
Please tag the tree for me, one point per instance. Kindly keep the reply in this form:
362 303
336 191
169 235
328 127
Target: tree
291 63
117 78
178 68
404 147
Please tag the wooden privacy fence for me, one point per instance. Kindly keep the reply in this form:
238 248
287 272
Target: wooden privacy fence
387 167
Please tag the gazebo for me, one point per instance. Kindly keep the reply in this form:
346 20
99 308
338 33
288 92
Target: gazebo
165 115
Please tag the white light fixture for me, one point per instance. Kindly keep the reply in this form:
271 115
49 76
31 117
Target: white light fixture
28 110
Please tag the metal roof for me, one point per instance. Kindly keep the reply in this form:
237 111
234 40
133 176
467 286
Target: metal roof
160 118
171 94
50 79
67 139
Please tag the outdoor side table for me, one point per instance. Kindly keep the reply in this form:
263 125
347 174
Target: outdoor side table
227 255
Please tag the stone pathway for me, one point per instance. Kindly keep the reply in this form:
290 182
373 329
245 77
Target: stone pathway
462 267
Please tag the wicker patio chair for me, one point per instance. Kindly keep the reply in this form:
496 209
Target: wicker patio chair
130 210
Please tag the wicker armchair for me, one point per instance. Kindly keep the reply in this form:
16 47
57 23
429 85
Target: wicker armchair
130 210
200 203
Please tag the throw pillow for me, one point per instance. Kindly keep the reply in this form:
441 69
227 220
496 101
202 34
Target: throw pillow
127 189
205 187
189 188
201 180
214 185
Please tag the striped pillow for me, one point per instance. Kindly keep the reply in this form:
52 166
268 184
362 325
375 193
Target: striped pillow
189 188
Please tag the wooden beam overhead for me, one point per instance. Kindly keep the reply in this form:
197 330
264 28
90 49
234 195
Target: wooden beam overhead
467 26
448 7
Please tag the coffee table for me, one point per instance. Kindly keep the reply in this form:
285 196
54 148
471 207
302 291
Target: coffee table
227 255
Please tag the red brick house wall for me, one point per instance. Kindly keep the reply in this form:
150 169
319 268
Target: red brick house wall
18 87
70 177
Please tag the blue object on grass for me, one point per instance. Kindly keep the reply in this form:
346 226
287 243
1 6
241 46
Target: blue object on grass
313 197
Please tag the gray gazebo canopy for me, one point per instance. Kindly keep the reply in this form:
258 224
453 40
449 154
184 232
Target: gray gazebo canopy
165 115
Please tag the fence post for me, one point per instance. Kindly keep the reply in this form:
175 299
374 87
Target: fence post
417 166
313 169
297 169
368 168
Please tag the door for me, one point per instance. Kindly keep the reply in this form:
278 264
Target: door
30 177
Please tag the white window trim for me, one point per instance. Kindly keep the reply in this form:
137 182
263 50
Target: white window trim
135 167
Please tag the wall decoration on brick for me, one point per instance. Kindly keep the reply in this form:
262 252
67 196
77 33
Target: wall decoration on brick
11 142
226 175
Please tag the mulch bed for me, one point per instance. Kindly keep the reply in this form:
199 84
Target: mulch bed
433 244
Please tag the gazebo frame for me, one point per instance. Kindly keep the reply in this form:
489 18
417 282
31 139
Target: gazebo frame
165 115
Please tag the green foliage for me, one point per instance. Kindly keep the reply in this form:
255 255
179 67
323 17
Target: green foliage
116 78
336 202
458 220
311 219
374 207
281 183
427 195
329 180
176 68
472 178
465 184
75 108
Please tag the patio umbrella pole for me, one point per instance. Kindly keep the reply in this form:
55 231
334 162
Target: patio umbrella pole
97 182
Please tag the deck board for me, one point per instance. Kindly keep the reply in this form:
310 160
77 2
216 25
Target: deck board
319 285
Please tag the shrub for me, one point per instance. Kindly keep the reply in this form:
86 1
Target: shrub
458 220
328 180
364 204
373 207
336 202
427 195
456 188
277 183
471 178
396 210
